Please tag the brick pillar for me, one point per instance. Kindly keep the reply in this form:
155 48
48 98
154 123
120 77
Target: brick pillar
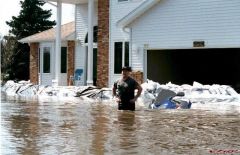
103 43
70 61
138 76
33 66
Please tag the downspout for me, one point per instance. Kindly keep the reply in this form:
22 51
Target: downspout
125 29
129 32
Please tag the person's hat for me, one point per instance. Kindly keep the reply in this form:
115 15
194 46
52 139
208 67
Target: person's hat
127 68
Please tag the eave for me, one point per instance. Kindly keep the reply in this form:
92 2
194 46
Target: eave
140 10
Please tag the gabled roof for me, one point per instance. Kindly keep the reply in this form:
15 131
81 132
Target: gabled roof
67 33
141 9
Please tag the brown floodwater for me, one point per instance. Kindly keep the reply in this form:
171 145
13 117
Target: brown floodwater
31 127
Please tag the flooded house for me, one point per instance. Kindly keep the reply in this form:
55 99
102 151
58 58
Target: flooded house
164 40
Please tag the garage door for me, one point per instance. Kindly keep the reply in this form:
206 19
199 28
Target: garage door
207 66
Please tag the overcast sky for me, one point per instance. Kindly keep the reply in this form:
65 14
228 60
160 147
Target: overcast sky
9 8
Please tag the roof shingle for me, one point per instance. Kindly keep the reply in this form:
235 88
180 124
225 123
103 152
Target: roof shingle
67 33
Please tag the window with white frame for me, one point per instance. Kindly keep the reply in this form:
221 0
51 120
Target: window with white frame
46 60
121 56
64 60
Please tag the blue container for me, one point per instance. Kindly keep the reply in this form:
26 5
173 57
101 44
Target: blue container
167 104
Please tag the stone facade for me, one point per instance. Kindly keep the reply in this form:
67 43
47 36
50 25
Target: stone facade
70 61
33 66
103 44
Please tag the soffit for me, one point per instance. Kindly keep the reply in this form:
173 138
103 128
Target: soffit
139 11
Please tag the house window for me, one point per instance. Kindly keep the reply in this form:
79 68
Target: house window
46 60
64 60
126 59
95 35
118 57
121 56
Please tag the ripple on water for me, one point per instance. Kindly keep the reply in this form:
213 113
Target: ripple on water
30 127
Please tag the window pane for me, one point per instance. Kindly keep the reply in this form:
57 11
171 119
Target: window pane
117 57
64 60
126 59
95 35
46 60
94 66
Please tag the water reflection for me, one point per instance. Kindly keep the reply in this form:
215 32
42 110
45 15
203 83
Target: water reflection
24 125
127 131
99 129
83 128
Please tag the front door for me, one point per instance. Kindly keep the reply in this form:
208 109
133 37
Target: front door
45 64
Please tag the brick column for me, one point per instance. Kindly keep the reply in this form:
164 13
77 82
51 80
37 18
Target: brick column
70 61
138 76
103 43
33 65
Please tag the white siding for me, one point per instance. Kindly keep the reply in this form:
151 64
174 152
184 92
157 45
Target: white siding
175 24
117 11
46 79
63 79
81 31
82 21
81 61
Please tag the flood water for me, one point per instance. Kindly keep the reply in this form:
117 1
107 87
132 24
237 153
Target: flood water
33 127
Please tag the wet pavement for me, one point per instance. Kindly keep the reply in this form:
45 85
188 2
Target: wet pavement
32 127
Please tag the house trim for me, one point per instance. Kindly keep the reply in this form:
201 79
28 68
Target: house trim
136 13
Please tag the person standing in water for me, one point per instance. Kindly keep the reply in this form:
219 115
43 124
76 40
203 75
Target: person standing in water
124 90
